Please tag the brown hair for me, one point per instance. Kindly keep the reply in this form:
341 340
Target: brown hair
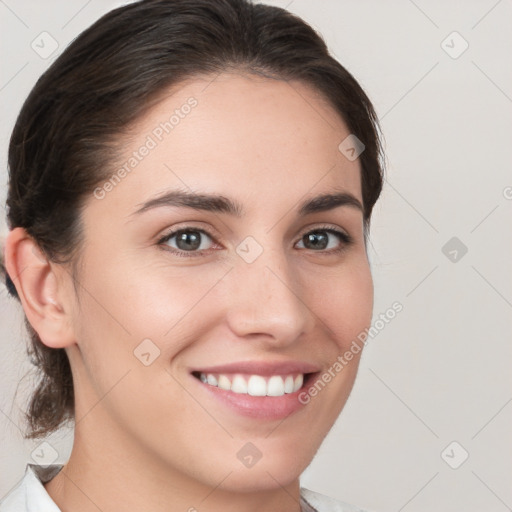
64 139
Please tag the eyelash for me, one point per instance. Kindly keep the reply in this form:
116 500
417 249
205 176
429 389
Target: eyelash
345 238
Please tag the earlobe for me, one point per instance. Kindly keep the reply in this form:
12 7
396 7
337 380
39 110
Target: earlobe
39 289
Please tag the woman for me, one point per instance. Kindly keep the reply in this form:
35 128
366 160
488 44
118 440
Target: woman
191 186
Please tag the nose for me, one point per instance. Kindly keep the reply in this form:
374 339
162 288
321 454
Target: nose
267 302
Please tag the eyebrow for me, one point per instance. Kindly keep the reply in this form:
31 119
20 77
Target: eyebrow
221 204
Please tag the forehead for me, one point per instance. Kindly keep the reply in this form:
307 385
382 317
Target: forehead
243 135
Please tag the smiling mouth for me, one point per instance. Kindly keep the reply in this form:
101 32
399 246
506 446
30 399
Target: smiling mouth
255 385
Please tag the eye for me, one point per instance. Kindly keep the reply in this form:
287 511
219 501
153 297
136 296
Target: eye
190 241
320 239
187 240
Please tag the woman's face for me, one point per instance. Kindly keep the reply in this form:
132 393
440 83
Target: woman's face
240 298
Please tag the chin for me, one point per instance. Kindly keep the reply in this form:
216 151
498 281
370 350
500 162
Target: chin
280 465
264 477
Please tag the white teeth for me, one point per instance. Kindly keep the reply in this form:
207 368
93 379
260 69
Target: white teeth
275 386
297 384
288 384
255 385
224 383
239 385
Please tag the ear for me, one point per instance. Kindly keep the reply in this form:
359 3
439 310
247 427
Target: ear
40 291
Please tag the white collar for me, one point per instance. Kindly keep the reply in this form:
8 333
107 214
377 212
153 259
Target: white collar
30 495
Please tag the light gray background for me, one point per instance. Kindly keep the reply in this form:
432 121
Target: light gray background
440 371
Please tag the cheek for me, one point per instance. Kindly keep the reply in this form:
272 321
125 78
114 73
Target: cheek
343 301
143 300
130 309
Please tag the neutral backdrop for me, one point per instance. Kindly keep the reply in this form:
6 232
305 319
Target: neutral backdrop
428 424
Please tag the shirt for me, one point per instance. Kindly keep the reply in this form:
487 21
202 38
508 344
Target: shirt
29 495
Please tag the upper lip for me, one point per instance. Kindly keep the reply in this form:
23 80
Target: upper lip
262 368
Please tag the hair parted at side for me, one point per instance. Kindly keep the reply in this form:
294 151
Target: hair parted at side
64 141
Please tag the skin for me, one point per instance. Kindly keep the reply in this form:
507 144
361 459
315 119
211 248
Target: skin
146 437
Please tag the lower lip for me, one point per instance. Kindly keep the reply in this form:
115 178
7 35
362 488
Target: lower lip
258 407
